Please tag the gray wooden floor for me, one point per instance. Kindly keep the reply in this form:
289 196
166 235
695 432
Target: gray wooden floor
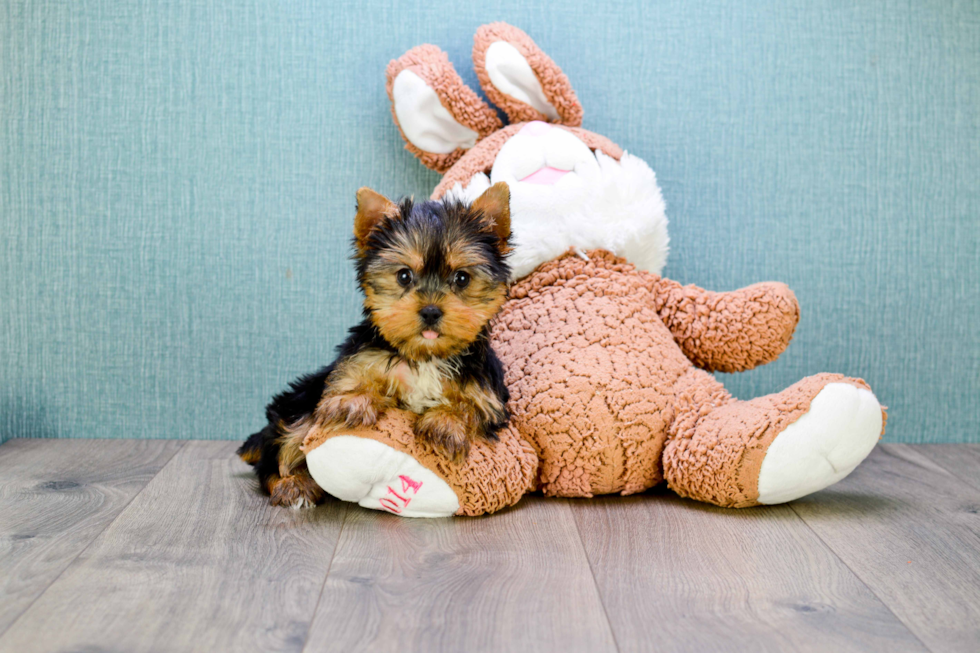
167 546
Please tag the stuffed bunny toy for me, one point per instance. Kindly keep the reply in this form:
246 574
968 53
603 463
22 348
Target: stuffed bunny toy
607 363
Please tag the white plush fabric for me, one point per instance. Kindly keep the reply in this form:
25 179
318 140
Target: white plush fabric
425 122
511 74
600 204
587 201
370 473
822 447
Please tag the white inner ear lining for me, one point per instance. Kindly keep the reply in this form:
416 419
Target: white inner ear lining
426 123
512 75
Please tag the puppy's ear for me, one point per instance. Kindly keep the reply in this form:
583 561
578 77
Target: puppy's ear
494 206
372 208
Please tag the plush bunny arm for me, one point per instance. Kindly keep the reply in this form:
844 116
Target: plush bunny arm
728 331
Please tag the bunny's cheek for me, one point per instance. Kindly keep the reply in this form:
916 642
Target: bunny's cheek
517 159
542 155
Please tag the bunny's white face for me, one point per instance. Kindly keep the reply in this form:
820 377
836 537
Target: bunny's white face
565 196
566 193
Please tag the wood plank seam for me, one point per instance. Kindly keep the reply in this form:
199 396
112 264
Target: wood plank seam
326 577
199 547
759 604
595 583
864 582
971 481
952 472
920 508
512 581
109 523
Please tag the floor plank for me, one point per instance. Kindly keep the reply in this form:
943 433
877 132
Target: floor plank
686 576
911 531
198 561
157 545
516 581
961 460
56 496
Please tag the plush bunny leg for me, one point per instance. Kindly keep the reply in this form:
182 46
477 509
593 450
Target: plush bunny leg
387 468
775 448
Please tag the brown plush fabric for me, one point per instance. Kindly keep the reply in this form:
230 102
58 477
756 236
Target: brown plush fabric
717 445
590 367
432 65
600 362
493 476
481 157
729 331
557 89
604 398
596 376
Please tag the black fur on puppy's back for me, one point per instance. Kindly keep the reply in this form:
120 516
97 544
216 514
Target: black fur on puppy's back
479 363
300 400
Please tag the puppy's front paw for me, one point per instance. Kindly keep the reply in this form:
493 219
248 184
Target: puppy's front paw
447 431
295 491
351 410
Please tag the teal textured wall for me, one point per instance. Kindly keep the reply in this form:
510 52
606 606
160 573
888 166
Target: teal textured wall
177 183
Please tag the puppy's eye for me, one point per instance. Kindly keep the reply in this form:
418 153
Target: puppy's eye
404 277
461 279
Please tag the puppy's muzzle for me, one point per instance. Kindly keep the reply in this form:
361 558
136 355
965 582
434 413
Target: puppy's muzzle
431 314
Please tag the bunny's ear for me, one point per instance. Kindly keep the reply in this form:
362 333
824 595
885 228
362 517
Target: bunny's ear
521 79
438 115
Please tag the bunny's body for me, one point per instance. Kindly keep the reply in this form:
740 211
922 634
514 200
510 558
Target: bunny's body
607 363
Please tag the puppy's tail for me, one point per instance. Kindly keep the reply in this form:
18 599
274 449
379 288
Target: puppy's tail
251 450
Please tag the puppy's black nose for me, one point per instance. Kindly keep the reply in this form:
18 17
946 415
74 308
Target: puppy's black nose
430 314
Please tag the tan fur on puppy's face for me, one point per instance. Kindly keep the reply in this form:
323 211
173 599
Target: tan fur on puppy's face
465 313
434 248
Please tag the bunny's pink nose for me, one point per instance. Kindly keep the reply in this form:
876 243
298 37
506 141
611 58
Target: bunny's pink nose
535 128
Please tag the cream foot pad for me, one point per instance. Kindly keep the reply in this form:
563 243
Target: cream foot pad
823 446
374 475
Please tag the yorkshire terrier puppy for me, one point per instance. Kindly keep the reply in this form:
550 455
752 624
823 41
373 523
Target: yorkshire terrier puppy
433 274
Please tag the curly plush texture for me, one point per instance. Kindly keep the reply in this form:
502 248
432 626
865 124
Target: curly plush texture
717 445
557 89
587 361
595 371
432 65
605 397
729 331
494 475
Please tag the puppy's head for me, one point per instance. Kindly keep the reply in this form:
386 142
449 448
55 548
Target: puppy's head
433 273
